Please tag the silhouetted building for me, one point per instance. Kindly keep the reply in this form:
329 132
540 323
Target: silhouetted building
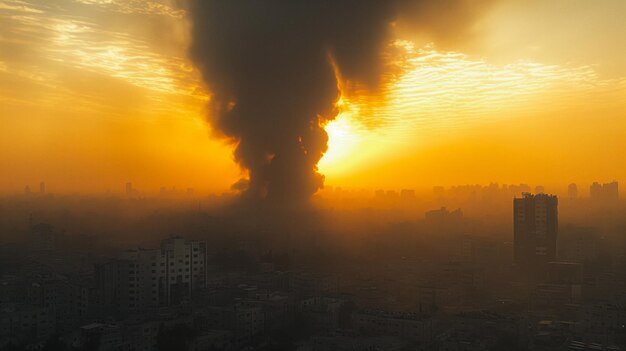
443 214
42 188
604 192
129 189
407 194
535 228
42 237
572 191
539 189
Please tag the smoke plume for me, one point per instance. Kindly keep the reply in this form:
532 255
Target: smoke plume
273 66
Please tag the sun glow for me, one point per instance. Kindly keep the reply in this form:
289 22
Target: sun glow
442 94
343 141
352 146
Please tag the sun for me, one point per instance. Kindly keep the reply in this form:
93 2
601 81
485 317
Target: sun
344 140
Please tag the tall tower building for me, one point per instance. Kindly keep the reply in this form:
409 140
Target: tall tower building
186 262
129 189
604 192
572 191
535 228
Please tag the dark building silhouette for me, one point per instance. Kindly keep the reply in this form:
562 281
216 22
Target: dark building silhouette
535 228
42 188
604 192
129 189
443 214
407 194
572 191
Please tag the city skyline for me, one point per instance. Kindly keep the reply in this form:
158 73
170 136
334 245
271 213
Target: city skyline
312 175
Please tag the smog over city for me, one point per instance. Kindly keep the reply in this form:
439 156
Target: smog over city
312 175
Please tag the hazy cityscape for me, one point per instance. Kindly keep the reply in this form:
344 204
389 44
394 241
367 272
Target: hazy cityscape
462 268
312 175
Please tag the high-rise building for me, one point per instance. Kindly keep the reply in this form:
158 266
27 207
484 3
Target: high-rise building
595 190
142 278
535 228
42 188
572 191
604 192
407 194
611 190
186 267
129 189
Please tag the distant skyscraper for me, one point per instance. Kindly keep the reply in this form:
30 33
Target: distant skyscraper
572 191
604 192
535 228
42 188
407 194
611 190
539 189
129 189
595 190
443 215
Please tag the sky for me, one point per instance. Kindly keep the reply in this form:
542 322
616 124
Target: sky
96 93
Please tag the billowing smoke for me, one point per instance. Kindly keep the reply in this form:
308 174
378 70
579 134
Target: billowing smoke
272 67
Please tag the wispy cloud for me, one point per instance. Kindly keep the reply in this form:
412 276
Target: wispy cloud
43 42
450 89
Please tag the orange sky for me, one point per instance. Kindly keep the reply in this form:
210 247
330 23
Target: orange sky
95 93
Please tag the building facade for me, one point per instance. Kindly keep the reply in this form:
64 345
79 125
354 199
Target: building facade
144 278
535 228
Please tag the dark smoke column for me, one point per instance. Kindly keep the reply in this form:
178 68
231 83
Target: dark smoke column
269 65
